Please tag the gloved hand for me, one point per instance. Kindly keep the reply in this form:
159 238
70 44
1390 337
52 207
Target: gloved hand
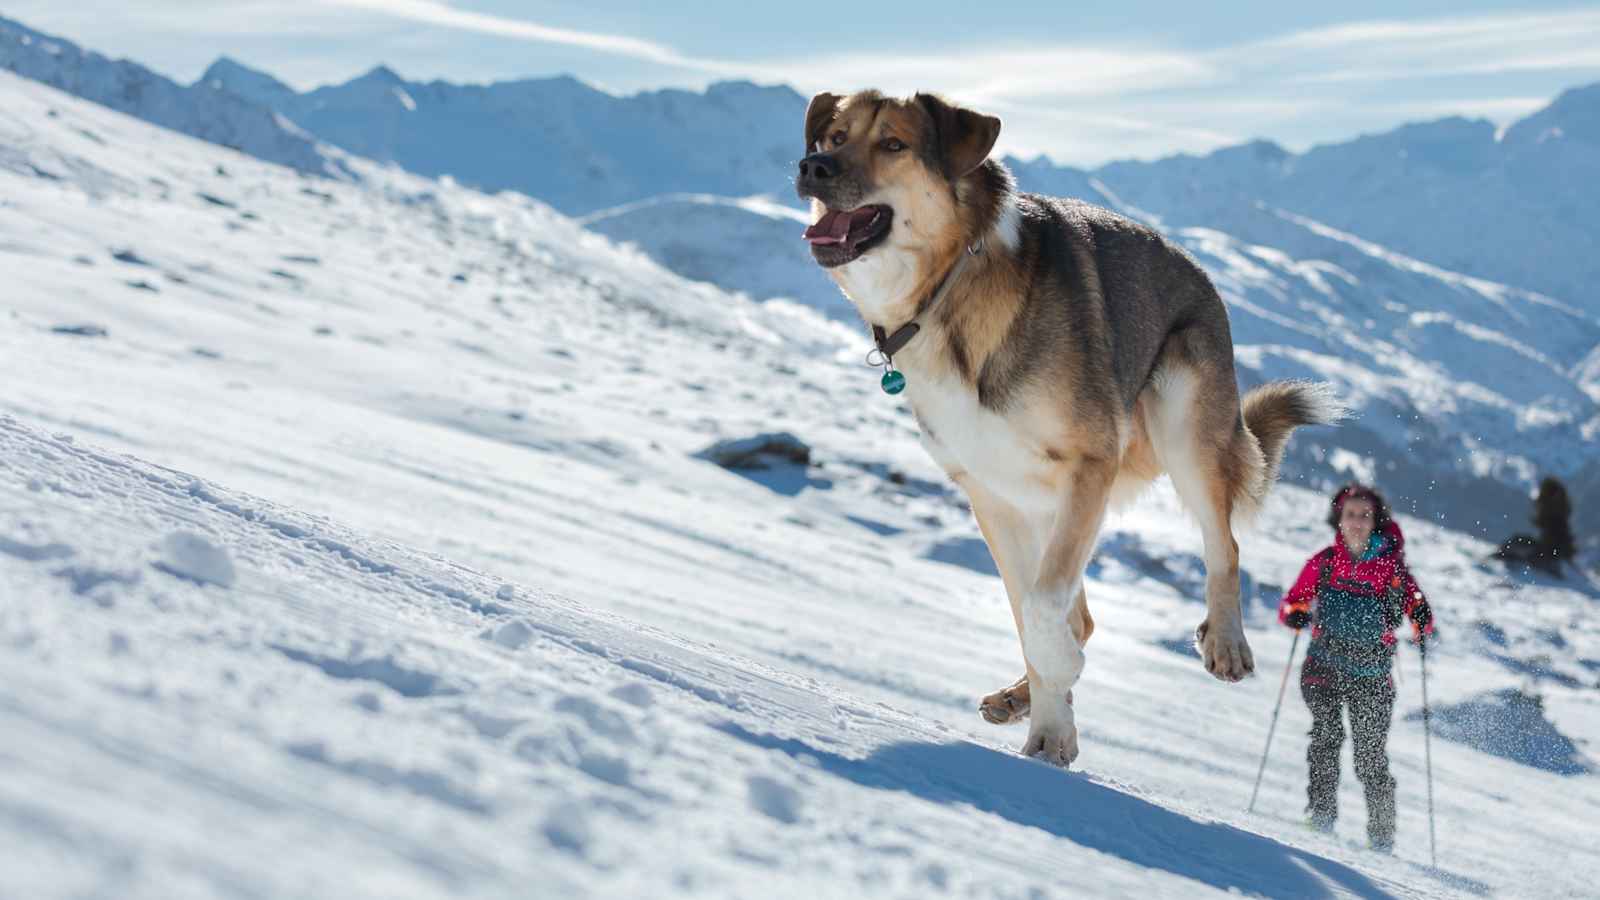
1423 616
1297 619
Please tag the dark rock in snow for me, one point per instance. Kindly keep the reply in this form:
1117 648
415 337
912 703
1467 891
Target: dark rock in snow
80 330
758 452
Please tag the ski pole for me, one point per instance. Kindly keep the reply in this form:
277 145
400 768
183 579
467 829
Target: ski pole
1427 749
1274 726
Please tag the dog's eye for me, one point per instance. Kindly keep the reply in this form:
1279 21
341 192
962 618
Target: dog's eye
838 137
894 145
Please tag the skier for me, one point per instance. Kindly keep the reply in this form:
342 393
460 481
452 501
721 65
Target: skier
1353 594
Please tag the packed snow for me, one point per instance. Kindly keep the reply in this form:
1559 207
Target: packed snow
360 538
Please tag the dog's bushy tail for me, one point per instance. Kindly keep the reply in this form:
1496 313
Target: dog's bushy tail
1271 412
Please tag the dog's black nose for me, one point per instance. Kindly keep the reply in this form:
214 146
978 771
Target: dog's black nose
818 166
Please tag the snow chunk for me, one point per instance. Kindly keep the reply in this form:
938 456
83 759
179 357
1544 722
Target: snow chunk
513 635
774 799
189 555
567 828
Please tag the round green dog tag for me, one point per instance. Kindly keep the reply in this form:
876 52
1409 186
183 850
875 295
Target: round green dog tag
893 382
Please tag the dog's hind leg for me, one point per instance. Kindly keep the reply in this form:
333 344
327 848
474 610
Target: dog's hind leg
1198 435
1007 705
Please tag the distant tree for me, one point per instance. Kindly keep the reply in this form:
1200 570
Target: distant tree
1552 515
1554 545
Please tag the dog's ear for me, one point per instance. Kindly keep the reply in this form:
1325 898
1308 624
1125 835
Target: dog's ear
818 114
964 137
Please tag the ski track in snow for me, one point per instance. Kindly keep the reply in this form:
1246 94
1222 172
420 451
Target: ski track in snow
498 631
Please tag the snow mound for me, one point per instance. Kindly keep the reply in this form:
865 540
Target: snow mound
189 555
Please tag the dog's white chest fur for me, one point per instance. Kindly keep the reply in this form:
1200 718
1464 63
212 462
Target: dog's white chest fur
968 440
876 283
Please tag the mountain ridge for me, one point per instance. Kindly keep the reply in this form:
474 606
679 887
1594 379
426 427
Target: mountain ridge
202 111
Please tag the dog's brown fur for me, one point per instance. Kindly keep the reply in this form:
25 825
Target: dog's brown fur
1075 356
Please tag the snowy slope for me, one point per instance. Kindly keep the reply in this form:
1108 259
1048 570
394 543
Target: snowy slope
749 245
363 719
494 628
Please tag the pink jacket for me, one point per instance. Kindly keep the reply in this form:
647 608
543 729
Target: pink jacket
1336 579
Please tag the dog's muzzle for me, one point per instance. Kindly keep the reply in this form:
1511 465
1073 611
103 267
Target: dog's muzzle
817 173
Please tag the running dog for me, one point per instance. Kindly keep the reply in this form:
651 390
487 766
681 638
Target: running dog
1058 357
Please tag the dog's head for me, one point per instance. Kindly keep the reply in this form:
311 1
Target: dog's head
883 172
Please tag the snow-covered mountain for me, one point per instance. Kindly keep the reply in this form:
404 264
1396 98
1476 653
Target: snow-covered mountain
1517 207
417 581
1510 207
202 110
577 148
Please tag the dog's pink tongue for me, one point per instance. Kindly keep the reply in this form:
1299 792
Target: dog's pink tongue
834 226
830 229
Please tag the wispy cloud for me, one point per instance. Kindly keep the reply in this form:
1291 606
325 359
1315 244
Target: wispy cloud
987 73
1465 31
189 20
996 73
1411 49
431 12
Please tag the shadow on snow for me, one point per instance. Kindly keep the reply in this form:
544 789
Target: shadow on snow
1071 806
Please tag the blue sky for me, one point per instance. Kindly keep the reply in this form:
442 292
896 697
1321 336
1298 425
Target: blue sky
1083 83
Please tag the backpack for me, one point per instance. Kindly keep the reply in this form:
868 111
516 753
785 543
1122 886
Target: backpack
1354 619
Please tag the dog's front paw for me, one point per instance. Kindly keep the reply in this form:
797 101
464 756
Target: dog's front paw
1056 744
1052 735
1224 650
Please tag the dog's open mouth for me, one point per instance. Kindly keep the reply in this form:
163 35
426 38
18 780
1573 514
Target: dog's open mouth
842 235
